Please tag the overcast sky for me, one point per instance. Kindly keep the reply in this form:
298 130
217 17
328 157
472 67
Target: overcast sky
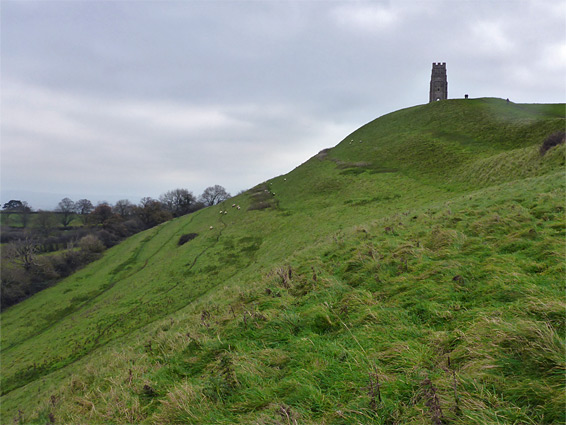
108 100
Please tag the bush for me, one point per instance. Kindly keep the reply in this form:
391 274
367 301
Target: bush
186 238
115 226
14 282
107 238
8 234
51 244
134 225
554 139
68 262
91 244
43 270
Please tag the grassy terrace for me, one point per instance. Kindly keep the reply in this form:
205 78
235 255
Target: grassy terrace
412 274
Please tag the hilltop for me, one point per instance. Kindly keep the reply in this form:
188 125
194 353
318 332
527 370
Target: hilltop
413 273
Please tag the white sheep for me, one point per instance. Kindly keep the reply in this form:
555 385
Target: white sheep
211 227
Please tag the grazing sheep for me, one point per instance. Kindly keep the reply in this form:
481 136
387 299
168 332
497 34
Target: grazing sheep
238 207
233 205
211 227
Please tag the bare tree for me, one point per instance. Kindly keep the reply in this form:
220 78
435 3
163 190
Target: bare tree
151 212
123 208
214 195
146 200
102 213
23 252
84 207
178 202
65 208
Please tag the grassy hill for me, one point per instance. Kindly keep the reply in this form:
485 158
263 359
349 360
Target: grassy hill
413 274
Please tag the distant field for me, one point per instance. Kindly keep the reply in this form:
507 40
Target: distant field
15 220
412 274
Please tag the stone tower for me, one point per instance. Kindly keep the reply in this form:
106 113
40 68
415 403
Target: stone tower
438 82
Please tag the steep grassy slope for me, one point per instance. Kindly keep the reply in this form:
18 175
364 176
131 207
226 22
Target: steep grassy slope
412 274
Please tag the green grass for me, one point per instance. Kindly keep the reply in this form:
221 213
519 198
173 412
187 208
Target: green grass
428 258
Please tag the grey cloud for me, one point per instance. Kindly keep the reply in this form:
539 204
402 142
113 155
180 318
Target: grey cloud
141 97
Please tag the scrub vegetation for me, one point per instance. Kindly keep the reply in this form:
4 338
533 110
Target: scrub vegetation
413 274
37 253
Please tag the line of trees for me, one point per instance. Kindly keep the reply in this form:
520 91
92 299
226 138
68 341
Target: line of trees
173 203
50 245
